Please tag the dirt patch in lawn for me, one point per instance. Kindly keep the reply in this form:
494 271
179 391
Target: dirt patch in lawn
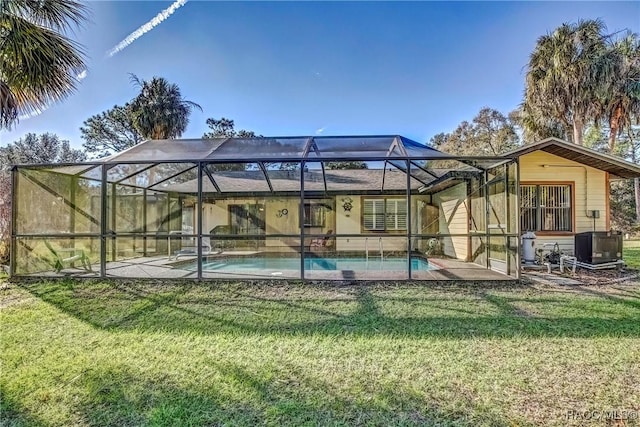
9 297
607 277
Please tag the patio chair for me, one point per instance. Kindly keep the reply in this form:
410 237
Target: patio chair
323 243
193 251
72 255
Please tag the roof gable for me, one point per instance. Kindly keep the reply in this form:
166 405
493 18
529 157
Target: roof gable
614 165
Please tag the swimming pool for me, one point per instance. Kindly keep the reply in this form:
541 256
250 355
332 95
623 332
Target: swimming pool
277 264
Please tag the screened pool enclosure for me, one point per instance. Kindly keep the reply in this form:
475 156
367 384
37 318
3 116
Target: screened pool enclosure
318 208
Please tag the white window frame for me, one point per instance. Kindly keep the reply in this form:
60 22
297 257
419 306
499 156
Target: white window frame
384 214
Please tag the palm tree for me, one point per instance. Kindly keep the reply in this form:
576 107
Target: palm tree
160 111
39 63
534 126
620 95
565 73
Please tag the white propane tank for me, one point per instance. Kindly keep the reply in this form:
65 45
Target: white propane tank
529 247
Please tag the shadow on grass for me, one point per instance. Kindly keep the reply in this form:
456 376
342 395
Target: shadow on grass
12 413
357 310
234 395
629 299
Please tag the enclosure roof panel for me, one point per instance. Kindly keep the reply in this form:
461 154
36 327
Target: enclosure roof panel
168 150
244 149
277 148
356 147
79 169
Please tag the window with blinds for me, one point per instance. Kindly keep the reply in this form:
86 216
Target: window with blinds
546 208
384 214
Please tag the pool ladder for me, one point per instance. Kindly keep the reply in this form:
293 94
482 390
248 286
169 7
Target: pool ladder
366 249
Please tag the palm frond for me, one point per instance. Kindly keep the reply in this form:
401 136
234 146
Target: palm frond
134 80
57 15
40 65
9 109
193 105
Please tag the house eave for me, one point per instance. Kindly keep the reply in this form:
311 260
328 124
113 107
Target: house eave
617 167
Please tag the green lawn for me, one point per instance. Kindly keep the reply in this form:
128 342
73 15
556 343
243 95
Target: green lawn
115 354
631 253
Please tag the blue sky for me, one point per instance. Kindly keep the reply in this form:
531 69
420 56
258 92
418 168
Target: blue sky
295 68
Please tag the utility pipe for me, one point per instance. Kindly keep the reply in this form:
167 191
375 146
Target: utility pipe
586 183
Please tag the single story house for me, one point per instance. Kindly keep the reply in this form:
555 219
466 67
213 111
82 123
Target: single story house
355 207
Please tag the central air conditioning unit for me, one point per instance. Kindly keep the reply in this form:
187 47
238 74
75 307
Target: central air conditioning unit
598 247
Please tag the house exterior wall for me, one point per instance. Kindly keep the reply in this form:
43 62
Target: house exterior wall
590 187
351 223
339 221
218 214
453 219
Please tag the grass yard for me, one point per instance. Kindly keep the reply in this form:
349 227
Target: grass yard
631 253
101 353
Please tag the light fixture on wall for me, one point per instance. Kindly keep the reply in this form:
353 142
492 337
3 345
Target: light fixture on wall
347 205
282 212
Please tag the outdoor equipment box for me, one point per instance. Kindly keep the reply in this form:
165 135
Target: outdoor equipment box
598 247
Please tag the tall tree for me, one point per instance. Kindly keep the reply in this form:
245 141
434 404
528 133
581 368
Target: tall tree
631 144
494 133
39 62
160 111
346 165
620 93
595 138
225 128
533 127
565 73
439 140
43 148
110 132
489 133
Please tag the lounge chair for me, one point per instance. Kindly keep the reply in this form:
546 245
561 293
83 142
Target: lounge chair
70 256
323 243
193 251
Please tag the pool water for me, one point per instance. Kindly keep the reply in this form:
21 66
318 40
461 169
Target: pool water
275 264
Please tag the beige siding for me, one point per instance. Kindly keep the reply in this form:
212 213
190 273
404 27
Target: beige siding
453 219
350 223
218 214
591 192
345 223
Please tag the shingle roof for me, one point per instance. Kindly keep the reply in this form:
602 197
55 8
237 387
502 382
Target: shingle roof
340 180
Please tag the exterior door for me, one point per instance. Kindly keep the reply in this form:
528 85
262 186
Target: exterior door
248 219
